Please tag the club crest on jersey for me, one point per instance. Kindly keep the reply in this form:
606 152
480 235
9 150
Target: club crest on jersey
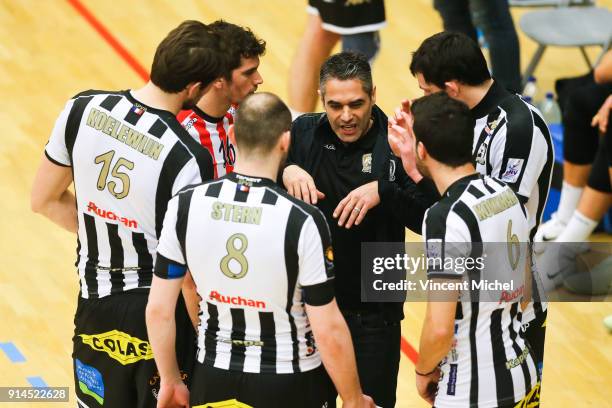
366 163
513 170
490 127
482 153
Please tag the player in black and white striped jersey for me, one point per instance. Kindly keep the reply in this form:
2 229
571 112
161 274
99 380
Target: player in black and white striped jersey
127 155
472 351
265 278
511 140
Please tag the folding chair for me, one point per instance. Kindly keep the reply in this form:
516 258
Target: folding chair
567 27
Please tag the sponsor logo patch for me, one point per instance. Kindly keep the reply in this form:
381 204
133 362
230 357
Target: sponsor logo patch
119 346
90 381
109 215
452 380
513 169
236 300
392 166
434 248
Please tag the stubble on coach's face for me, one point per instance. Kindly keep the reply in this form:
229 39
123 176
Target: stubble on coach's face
348 107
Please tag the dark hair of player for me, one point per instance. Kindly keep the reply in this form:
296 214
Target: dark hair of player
450 56
236 42
345 66
189 53
260 121
446 127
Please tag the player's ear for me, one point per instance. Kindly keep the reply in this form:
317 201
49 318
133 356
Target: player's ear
232 135
285 141
373 95
421 151
219 83
452 88
321 96
195 90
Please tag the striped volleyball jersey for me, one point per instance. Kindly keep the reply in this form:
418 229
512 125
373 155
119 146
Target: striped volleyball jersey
127 161
269 255
512 143
489 364
213 134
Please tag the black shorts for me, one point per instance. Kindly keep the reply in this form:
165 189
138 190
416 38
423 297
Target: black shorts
112 358
599 178
214 387
343 17
536 335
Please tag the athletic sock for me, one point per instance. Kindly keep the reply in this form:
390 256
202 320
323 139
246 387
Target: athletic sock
570 196
578 229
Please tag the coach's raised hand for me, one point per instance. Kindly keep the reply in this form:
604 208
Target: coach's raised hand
402 140
301 185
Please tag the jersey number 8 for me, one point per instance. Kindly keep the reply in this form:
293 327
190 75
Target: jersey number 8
236 254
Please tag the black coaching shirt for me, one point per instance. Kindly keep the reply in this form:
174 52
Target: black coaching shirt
338 169
343 168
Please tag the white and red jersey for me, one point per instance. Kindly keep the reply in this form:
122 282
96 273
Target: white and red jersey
212 133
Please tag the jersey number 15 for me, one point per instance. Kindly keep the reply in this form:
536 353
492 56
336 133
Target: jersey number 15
106 160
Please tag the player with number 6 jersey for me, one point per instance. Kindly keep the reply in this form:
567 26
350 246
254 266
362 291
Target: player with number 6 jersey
472 350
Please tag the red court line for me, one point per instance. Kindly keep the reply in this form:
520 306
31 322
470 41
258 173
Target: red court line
409 351
406 347
110 39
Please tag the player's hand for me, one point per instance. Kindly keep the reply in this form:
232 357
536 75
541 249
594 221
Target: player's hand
300 184
402 140
603 115
427 386
364 402
354 207
173 395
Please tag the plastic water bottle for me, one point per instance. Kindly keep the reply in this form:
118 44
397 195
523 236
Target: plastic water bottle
531 88
552 115
550 110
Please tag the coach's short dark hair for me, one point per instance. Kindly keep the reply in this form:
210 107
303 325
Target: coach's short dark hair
450 56
446 127
260 121
237 42
345 66
189 53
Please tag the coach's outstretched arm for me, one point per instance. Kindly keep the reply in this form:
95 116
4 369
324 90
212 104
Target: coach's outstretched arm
336 348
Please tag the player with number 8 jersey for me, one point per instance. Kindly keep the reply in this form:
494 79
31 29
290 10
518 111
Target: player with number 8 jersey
265 280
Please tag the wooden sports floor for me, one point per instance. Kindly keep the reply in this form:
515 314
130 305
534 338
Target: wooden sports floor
50 50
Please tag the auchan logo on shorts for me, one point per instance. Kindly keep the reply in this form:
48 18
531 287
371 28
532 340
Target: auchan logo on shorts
237 300
109 215
120 346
